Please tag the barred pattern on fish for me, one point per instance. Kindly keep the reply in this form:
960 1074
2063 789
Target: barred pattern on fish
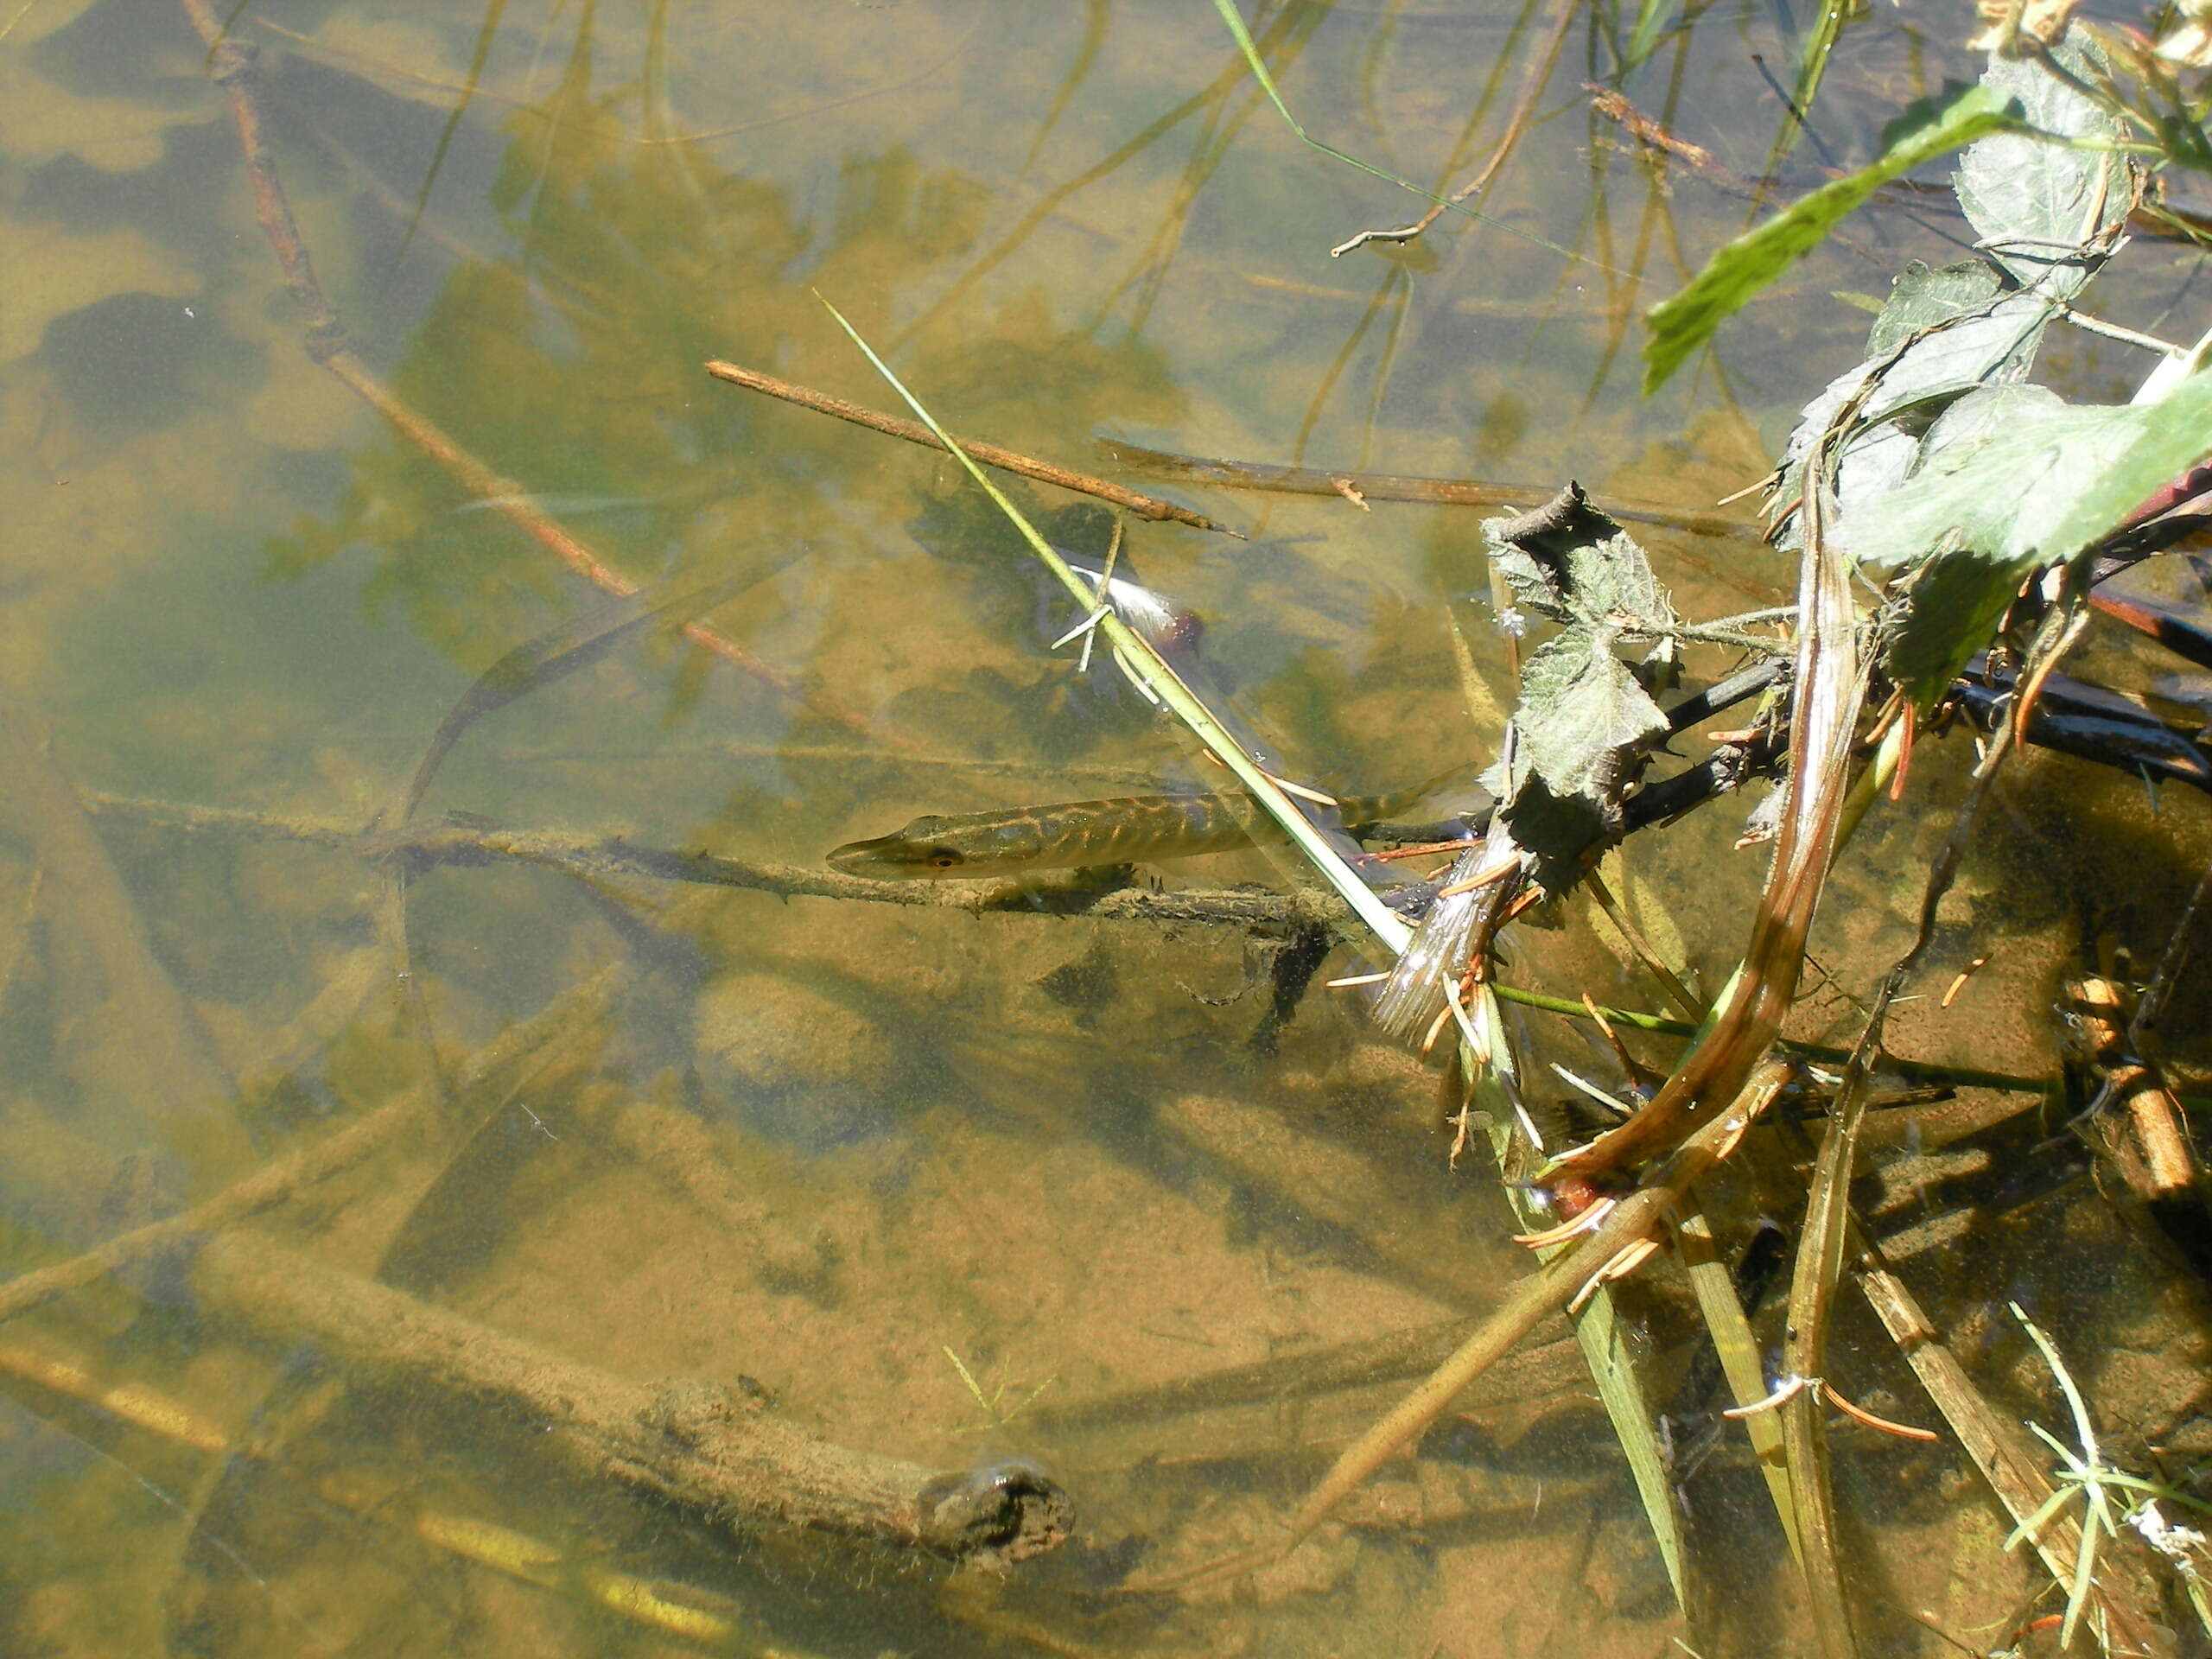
1136 828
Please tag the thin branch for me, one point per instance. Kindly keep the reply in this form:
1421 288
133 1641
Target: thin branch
720 1454
1006 460
1392 486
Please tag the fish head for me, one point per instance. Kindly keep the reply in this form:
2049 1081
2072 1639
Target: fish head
916 853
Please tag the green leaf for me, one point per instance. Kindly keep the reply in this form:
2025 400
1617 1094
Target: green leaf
2012 479
1679 325
1583 717
1922 298
2030 201
1812 68
1942 334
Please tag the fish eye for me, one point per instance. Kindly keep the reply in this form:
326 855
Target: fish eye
942 858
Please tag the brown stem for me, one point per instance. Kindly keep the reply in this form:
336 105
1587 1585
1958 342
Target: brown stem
1390 487
1006 460
2159 1164
2005 1458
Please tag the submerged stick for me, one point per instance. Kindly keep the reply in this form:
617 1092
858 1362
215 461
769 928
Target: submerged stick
275 1183
2004 1456
717 1452
1006 460
1392 486
2159 1164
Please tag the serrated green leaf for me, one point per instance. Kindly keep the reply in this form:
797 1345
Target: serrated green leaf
1922 298
2012 479
1953 355
1583 715
1679 325
2030 201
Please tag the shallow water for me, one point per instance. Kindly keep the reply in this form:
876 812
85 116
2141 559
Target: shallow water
936 1182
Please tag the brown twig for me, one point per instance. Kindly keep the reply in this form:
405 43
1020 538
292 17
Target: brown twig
718 1453
1646 131
1653 136
1144 506
2162 1165
1389 486
2002 1454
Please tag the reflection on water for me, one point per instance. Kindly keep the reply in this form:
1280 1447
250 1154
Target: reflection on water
959 1198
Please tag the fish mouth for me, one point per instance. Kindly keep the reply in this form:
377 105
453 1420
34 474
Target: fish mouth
855 858
880 860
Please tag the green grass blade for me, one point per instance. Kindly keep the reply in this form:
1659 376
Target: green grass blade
1620 1386
1811 67
1650 21
1715 1288
1679 325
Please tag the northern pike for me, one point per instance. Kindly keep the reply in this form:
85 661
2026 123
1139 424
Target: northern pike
1137 829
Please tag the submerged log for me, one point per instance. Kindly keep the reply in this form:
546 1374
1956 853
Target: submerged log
719 1452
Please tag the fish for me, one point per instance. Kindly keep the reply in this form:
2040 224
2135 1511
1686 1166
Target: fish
1135 829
